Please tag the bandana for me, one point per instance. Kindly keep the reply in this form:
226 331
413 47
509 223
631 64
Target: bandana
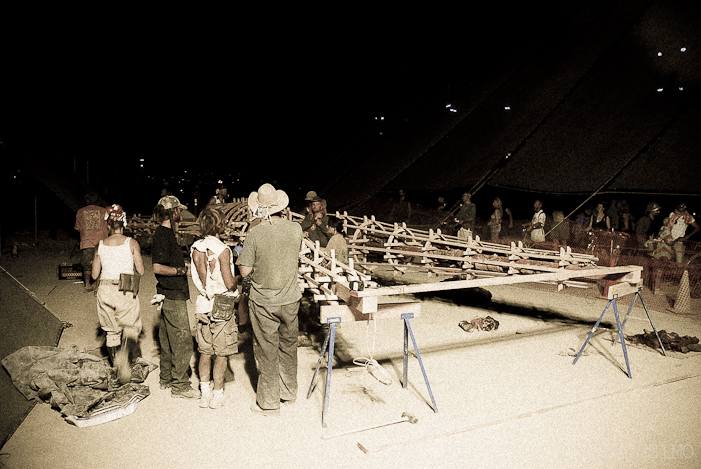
115 213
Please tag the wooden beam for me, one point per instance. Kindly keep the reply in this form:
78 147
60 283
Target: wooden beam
384 311
565 274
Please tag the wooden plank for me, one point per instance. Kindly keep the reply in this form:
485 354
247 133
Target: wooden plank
384 311
622 289
562 275
365 305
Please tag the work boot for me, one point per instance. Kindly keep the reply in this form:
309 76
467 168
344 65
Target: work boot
138 373
121 363
188 393
134 350
111 354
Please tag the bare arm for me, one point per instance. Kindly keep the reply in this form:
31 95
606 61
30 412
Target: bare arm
226 273
167 270
694 225
136 254
245 270
199 258
96 267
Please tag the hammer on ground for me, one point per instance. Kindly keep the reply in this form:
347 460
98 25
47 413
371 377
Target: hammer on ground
406 417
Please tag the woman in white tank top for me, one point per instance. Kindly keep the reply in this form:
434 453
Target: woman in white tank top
118 311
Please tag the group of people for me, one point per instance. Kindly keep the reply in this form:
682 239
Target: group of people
267 264
500 220
668 241
661 238
268 268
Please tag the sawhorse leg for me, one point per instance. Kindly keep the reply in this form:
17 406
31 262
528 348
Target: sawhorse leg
329 341
408 332
632 303
620 333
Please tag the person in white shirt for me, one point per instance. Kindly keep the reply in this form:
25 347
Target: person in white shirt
679 221
217 335
117 260
536 227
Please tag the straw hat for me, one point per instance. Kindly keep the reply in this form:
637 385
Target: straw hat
312 197
267 201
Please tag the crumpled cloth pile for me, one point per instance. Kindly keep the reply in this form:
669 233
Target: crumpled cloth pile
480 324
671 341
80 385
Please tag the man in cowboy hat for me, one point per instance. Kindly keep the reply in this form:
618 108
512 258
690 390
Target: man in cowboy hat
315 222
270 255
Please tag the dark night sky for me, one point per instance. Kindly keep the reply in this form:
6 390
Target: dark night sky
239 92
273 95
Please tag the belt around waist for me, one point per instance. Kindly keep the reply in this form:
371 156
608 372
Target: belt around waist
107 282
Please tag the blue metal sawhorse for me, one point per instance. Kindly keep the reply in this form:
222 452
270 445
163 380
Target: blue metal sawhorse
330 341
620 327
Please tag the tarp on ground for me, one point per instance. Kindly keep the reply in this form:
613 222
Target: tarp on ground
24 321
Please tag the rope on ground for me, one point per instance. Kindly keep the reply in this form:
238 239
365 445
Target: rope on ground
370 366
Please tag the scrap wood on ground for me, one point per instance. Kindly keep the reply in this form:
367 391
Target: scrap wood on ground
671 341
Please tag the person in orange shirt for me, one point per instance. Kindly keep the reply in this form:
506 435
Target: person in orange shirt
91 224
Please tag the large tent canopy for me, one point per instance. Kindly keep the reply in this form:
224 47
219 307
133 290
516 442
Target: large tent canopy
605 97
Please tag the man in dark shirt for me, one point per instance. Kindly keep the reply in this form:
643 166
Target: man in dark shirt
171 273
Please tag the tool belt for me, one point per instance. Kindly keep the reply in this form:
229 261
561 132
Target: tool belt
129 283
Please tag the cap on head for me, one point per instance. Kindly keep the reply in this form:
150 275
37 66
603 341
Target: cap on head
170 202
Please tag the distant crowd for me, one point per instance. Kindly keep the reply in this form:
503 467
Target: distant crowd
658 233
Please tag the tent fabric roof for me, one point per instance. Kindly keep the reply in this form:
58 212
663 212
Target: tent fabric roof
584 113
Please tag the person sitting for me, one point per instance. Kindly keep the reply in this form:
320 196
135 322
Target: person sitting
315 223
337 242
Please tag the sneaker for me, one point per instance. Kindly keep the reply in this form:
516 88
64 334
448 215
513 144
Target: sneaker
256 409
216 401
205 399
186 394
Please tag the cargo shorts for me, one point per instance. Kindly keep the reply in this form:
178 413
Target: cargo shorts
218 338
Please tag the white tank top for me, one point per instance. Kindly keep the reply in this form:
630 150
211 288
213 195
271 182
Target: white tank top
115 260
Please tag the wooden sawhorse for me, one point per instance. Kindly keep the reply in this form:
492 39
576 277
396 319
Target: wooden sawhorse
619 327
404 311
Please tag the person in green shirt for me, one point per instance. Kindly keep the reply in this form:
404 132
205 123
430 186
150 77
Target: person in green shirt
270 256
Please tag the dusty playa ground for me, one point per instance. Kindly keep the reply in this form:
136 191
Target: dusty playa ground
505 398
